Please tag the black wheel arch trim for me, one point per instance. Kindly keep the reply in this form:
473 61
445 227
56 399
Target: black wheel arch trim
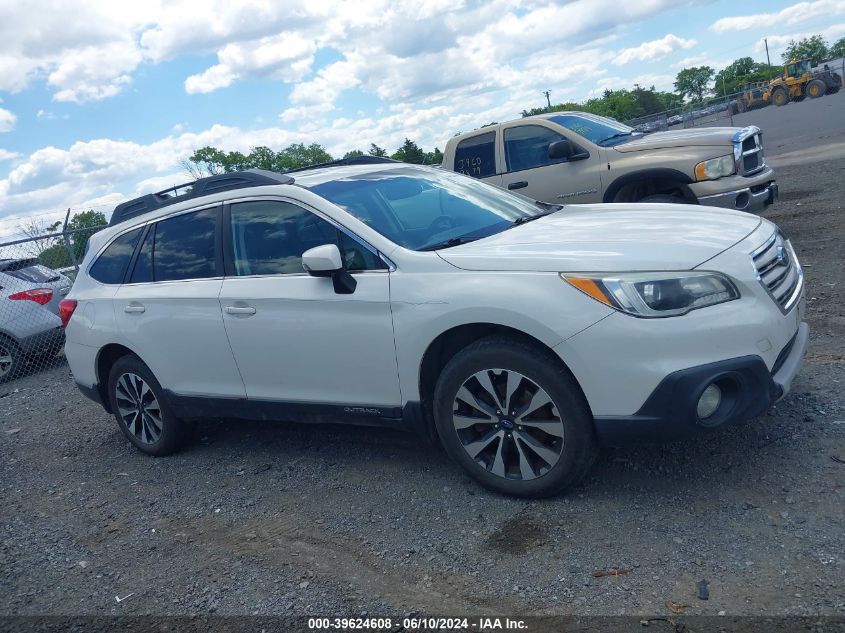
661 173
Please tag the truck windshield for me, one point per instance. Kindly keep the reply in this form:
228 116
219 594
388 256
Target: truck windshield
424 209
597 129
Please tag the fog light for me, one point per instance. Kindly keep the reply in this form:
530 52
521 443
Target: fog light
709 401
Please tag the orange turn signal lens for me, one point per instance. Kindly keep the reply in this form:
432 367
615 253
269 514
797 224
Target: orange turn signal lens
589 287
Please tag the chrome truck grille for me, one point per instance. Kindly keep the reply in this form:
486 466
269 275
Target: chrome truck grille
779 271
748 151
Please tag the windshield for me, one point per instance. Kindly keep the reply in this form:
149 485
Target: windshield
598 129
420 209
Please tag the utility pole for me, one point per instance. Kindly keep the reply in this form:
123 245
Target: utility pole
548 99
766 42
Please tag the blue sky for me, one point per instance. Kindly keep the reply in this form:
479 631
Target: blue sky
99 102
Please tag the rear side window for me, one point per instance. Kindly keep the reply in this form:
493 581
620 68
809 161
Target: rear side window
184 247
111 265
527 146
476 156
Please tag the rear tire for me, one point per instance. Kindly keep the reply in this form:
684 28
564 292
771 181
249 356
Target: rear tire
11 359
542 443
816 88
663 198
141 409
780 97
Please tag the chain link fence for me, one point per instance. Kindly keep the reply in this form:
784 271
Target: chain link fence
721 109
36 273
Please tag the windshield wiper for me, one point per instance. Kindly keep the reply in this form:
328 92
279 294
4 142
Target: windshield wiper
452 241
530 218
613 136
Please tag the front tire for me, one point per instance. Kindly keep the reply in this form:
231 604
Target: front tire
816 88
141 410
514 418
662 198
780 97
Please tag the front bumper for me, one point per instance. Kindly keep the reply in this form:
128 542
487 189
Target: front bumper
751 199
748 388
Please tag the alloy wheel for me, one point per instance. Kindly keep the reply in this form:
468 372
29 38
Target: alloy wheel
508 424
6 360
138 408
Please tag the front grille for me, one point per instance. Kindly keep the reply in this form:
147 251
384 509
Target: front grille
779 271
752 155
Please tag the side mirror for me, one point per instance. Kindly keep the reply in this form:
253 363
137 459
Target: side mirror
325 261
322 261
564 149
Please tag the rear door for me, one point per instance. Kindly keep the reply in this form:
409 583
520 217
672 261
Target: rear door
168 310
295 339
531 172
477 156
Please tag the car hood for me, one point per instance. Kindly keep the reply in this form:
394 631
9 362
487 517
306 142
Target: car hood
680 138
609 238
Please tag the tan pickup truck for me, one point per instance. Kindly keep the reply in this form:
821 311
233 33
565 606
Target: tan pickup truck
575 157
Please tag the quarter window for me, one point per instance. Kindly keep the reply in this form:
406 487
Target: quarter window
527 146
111 265
476 156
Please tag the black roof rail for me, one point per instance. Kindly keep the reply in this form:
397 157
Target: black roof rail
352 160
198 188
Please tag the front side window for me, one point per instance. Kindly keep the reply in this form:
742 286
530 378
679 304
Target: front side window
183 247
476 156
418 208
527 146
269 238
112 263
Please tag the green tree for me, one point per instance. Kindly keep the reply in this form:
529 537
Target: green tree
209 161
433 158
838 48
55 256
742 72
694 82
375 150
410 152
813 48
88 223
353 153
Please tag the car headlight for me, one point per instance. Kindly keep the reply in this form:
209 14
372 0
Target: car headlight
715 168
654 295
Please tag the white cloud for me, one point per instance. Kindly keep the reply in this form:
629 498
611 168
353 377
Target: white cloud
7 155
287 57
7 120
794 14
653 50
778 43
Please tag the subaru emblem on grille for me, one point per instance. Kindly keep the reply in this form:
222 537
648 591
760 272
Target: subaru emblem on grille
781 256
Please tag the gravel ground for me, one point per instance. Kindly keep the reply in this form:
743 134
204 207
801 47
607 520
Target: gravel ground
259 518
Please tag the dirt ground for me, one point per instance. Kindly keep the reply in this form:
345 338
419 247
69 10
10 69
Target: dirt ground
260 518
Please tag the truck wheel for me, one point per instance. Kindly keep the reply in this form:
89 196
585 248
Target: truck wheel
141 410
816 89
780 97
662 198
514 418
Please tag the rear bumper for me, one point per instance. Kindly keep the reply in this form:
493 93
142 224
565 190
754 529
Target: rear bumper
751 199
747 385
46 342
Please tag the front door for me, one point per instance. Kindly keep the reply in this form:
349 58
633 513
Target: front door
294 338
532 173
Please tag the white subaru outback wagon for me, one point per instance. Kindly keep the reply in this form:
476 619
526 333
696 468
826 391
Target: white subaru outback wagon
521 335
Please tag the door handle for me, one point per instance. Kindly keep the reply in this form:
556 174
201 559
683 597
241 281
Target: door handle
248 310
134 308
518 185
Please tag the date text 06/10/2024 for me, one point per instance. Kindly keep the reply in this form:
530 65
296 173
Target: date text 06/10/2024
481 624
